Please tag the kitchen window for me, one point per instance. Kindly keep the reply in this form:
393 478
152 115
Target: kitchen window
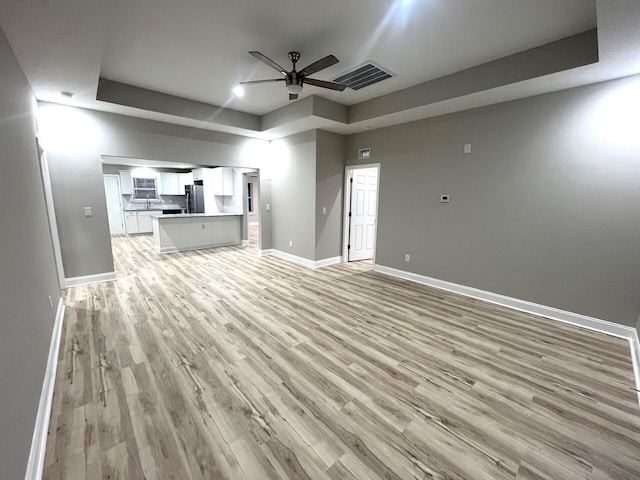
145 189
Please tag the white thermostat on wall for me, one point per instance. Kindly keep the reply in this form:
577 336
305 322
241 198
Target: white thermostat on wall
364 153
445 198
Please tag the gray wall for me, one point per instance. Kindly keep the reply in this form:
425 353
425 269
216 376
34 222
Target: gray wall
76 139
330 152
293 176
546 208
27 269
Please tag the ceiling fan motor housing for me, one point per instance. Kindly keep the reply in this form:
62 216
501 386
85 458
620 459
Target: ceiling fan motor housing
294 82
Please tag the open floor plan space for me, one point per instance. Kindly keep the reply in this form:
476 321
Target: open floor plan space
220 364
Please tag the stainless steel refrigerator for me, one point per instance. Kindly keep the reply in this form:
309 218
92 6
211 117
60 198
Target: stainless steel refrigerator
195 198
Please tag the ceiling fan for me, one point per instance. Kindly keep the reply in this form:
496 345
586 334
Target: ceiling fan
293 79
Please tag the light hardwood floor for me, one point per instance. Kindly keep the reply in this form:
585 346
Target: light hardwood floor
219 364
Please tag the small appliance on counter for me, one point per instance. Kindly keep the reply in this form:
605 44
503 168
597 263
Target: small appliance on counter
195 198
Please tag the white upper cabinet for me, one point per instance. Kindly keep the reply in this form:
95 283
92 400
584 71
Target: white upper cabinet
170 184
184 179
126 183
223 181
199 174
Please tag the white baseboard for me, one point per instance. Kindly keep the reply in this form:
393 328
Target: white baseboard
552 313
301 260
328 261
634 343
89 279
35 465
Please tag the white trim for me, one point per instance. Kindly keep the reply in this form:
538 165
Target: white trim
300 260
348 170
89 279
293 258
35 465
174 249
51 213
327 261
552 313
245 243
634 344
124 226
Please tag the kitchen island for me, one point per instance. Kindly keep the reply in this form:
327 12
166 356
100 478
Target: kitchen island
194 231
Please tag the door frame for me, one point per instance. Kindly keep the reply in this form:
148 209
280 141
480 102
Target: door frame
348 173
51 214
124 228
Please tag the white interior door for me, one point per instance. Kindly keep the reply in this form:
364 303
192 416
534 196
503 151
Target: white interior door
364 197
114 204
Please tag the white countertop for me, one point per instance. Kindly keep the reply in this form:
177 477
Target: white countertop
196 215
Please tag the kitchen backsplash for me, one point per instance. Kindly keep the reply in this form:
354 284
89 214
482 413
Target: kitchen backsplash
166 202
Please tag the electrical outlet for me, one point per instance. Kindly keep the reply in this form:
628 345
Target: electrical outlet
50 303
324 210
467 148
291 243
445 198
407 258
88 212
268 207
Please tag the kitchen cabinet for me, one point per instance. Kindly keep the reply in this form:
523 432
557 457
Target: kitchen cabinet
131 222
140 221
184 179
126 182
223 181
199 174
144 220
169 184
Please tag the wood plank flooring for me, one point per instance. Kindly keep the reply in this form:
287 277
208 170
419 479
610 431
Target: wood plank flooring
219 364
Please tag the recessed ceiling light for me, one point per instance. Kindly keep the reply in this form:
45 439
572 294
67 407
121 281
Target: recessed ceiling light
238 91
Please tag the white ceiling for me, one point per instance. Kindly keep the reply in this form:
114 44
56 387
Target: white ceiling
198 49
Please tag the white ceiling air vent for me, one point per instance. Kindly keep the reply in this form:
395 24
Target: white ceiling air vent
363 76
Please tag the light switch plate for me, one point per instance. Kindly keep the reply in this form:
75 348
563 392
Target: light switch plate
88 212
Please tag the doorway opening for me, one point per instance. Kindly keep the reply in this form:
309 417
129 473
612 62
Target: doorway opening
361 212
252 198
114 204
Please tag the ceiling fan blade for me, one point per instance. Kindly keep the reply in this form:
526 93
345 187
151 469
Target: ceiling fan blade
269 62
293 96
323 84
262 81
319 65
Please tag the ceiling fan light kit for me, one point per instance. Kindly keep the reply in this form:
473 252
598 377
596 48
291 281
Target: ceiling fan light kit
293 79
